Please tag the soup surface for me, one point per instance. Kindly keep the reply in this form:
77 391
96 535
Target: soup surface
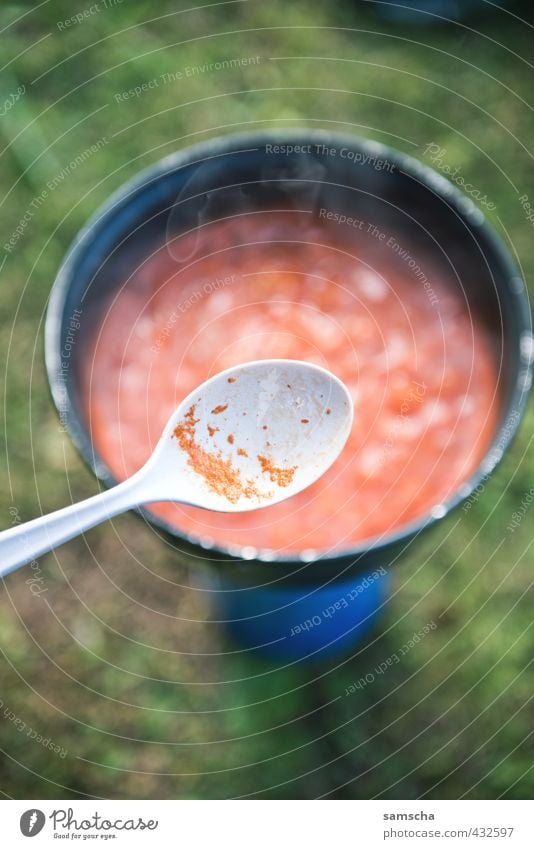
419 365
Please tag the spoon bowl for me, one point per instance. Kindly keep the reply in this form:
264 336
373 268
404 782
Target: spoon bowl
251 436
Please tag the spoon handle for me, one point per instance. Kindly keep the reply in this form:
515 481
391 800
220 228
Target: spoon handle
23 543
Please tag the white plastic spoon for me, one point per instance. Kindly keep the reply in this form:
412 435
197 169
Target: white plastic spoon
247 438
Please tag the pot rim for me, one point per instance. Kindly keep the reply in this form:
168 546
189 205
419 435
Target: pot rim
234 143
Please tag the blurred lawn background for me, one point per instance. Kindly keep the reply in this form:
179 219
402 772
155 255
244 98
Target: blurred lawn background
117 662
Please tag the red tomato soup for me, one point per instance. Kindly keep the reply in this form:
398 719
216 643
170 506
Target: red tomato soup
420 366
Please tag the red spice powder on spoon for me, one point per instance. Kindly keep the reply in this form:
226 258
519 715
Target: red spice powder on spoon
220 475
282 477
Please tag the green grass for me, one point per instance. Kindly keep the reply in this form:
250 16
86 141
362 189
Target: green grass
117 662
